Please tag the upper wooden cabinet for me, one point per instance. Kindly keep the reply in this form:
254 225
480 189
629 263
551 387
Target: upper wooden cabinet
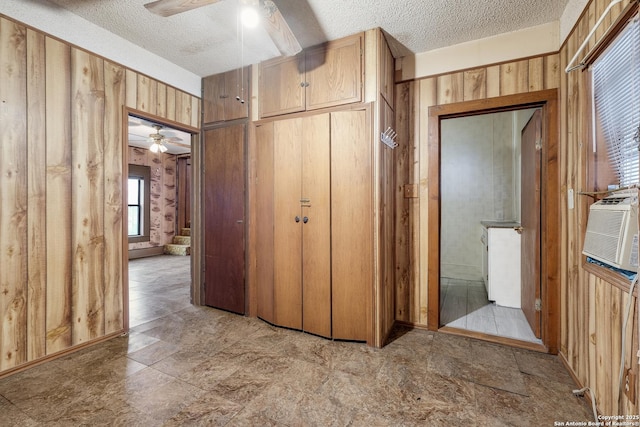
320 77
219 96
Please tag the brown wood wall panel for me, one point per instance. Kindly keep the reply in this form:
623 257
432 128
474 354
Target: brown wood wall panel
514 77
87 121
131 88
386 226
536 74
493 81
13 193
146 96
552 71
475 84
36 194
62 162
450 88
183 107
403 176
171 103
58 209
114 179
161 99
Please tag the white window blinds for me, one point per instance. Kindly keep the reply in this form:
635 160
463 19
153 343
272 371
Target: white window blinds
616 91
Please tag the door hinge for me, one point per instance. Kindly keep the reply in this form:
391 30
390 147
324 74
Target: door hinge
539 145
538 304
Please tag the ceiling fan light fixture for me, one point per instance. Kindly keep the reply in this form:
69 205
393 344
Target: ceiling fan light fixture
158 146
157 141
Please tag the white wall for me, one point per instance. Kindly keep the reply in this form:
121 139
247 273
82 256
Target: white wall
533 41
69 27
503 47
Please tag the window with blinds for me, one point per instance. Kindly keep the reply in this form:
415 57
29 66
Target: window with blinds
616 91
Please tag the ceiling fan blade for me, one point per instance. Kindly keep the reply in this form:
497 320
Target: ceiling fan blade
279 30
173 7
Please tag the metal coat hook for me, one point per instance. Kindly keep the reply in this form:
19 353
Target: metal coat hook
388 137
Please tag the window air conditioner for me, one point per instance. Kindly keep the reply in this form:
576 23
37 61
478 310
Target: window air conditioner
612 231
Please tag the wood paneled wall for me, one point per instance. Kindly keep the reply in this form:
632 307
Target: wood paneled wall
163 195
413 100
62 168
592 308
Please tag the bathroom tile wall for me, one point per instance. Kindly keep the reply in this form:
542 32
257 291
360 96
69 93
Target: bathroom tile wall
477 183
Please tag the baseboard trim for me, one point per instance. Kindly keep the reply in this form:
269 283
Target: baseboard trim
60 354
145 252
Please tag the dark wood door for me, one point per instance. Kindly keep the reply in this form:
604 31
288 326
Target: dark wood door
530 200
224 198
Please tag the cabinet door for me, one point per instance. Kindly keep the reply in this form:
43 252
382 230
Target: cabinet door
334 73
219 93
264 206
316 225
224 184
287 232
236 85
282 86
351 225
213 93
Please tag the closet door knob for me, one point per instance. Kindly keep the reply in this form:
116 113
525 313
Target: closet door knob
297 218
305 219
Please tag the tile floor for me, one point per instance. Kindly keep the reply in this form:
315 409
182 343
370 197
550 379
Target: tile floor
464 304
187 365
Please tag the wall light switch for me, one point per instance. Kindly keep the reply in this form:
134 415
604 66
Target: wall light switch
570 198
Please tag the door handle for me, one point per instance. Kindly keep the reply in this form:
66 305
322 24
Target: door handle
297 218
305 219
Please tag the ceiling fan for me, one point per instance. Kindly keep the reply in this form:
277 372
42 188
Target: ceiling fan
273 21
159 140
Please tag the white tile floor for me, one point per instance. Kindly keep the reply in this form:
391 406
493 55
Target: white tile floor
464 305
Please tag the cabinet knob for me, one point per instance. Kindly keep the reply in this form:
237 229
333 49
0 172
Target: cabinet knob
519 230
297 218
301 84
305 219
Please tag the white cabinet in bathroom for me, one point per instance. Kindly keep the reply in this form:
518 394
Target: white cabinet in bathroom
501 262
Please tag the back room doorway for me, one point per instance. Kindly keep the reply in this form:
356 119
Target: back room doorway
159 199
515 194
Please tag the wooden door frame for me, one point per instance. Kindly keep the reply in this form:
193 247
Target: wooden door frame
549 204
196 221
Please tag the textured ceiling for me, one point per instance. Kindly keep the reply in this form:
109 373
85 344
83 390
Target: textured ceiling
207 40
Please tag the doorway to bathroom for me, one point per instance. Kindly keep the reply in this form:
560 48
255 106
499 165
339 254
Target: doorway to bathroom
491 189
481 222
